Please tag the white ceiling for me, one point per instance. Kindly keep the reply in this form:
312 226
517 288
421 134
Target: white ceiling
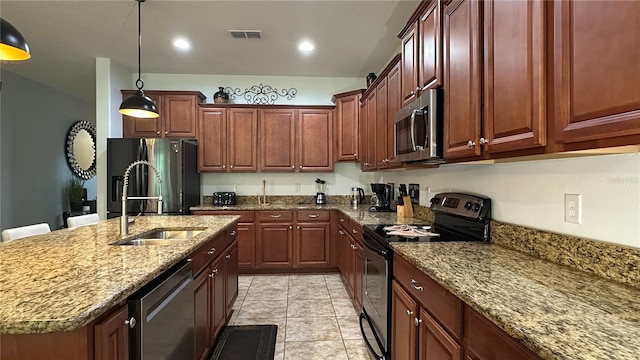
352 37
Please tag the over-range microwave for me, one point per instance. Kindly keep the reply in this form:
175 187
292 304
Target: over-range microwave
418 129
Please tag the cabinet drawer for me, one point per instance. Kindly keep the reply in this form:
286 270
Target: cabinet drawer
275 216
312 215
207 252
343 219
445 307
245 216
355 230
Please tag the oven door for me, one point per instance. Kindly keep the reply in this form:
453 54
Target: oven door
374 321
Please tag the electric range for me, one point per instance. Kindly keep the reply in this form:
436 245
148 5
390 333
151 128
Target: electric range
457 217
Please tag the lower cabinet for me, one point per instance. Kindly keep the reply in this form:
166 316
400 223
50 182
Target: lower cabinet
112 336
275 245
352 264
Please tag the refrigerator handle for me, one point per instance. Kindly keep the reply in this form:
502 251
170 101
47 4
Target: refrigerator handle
141 175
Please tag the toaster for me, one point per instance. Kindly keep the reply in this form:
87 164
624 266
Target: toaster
224 198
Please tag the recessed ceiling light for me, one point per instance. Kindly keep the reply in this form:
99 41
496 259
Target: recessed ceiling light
181 43
306 47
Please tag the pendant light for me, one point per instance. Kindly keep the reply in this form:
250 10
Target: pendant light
139 105
13 47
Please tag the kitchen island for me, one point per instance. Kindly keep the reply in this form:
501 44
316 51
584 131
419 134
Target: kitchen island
60 283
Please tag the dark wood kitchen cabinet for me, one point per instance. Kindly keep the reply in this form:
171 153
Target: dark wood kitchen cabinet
347 121
112 336
381 153
275 240
314 140
388 103
363 141
422 51
371 120
178 115
596 63
228 139
312 241
352 260
277 139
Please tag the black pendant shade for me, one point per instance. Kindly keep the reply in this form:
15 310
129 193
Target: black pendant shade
13 46
139 105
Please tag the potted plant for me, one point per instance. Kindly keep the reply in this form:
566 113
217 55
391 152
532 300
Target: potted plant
75 193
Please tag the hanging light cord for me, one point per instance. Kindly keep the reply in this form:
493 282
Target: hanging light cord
139 82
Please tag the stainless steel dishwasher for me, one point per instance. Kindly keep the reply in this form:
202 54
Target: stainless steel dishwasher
162 311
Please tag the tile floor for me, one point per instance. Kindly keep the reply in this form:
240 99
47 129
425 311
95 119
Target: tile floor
313 312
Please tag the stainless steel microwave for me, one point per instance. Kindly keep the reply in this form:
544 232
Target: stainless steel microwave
418 129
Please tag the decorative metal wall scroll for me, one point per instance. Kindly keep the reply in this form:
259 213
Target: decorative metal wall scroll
261 94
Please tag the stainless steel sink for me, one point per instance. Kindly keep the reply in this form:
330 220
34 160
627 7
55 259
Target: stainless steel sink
162 237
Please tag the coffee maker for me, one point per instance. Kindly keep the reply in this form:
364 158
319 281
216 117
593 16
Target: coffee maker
381 198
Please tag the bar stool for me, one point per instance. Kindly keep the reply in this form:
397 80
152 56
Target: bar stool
24 231
82 220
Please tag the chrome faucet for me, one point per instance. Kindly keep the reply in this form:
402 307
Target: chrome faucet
124 221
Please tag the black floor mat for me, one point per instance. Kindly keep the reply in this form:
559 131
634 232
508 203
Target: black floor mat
246 342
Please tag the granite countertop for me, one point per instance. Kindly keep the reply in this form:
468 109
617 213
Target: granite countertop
556 311
65 279
360 215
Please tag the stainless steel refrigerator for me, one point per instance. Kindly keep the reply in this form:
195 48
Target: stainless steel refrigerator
175 159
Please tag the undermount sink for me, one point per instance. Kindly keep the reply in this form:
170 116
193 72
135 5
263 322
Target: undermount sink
162 237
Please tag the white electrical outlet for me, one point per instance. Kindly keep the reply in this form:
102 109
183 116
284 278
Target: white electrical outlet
572 208
297 187
235 187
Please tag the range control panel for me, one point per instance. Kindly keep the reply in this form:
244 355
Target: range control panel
465 205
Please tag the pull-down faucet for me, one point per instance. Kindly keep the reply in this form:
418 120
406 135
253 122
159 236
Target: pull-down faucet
124 221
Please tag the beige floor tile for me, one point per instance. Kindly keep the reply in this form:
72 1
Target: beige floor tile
343 307
263 309
315 350
309 308
350 328
333 277
357 350
307 280
312 329
308 292
271 292
338 292
279 353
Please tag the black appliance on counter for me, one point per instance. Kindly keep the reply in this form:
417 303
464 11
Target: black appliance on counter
381 198
458 217
176 160
224 198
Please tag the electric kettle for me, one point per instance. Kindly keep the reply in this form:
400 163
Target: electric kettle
357 196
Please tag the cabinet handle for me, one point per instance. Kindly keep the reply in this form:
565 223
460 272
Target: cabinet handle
416 285
210 252
483 141
228 257
233 233
224 166
313 216
354 231
355 155
471 143
298 227
293 166
412 92
290 227
341 220
353 247
300 166
417 88
166 133
417 321
409 312
341 232
157 132
131 322
275 216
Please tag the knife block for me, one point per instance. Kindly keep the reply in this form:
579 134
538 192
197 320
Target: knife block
408 207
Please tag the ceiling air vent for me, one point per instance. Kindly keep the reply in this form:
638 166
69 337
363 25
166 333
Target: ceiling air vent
245 34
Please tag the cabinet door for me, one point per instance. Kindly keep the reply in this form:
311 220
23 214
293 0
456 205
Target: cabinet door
430 47
112 336
246 246
372 121
212 142
137 127
514 75
217 279
275 245
363 141
596 70
231 282
394 101
315 140
179 114
409 64
462 79
404 311
434 342
277 140
202 315
312 245
358 269
347 121
381 125
344 248
243 140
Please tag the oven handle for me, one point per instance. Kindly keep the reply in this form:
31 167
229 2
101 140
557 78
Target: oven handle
375 336
373 246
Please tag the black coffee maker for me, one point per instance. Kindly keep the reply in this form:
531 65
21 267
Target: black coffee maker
381 198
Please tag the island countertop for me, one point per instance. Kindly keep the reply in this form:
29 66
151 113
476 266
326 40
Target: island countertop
558 312
67 278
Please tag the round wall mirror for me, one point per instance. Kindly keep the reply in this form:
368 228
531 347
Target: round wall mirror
81 149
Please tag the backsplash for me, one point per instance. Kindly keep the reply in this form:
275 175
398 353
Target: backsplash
282 199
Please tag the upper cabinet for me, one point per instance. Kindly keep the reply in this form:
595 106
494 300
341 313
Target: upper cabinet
178 115
277 139
422 51
314 140
596 64
347 119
